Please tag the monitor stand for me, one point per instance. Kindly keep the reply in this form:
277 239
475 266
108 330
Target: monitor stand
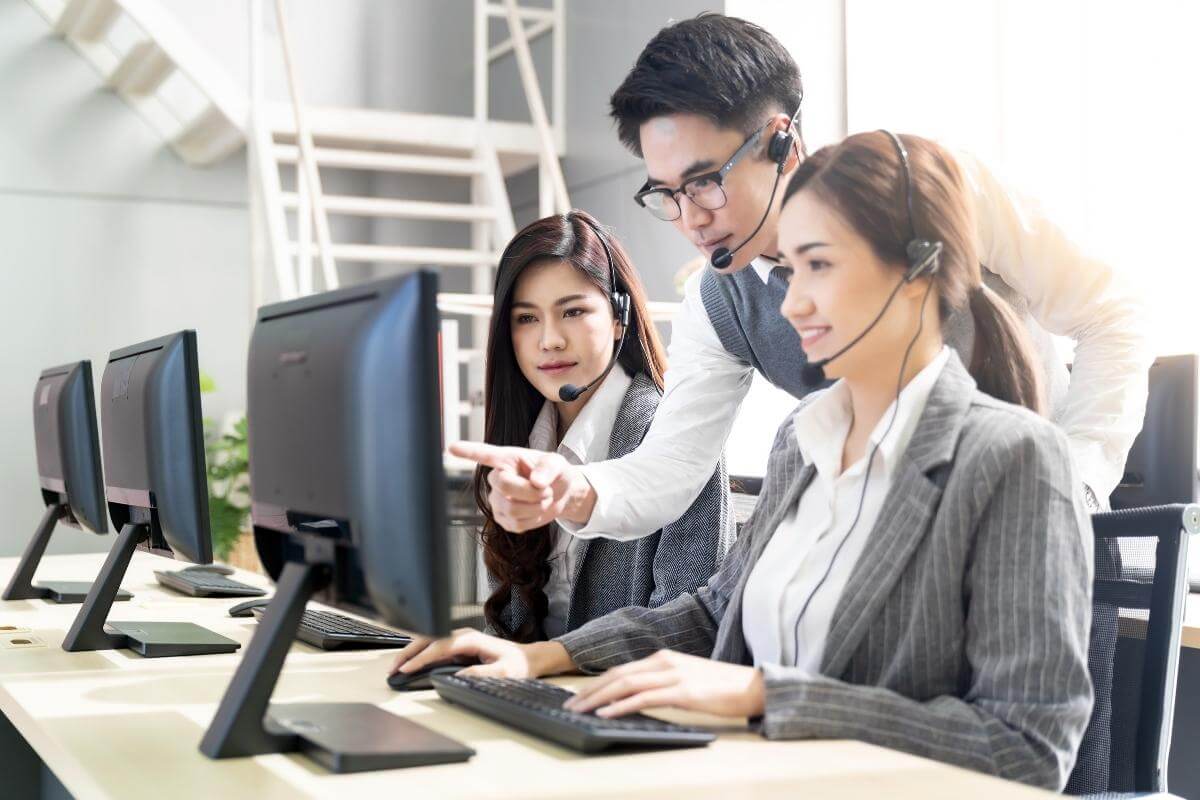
343 737
21 586
150 639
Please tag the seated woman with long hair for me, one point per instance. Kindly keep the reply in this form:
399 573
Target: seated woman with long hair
555 322
917 571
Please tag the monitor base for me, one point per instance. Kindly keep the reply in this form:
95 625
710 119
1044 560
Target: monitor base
361 737
343 737
167 639
65 592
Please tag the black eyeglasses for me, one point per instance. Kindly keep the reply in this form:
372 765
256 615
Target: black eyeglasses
706 190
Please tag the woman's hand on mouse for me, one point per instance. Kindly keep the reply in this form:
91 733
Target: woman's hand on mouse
498 658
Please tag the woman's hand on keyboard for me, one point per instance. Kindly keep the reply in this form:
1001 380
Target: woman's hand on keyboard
670 679
498 658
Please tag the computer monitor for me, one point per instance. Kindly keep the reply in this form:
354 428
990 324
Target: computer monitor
68 465
1161 467
348 504
153 447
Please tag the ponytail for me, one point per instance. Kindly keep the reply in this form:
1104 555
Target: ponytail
1002 363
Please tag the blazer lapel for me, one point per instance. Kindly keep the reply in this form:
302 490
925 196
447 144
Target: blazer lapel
904 519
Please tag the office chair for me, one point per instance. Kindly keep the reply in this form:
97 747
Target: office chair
1161 467
1137 605
744 491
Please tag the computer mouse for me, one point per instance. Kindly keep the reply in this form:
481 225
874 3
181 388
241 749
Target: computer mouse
219 569
246 608
416 681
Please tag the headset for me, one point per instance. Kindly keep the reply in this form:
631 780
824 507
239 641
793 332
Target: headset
778 150
924 258
620 305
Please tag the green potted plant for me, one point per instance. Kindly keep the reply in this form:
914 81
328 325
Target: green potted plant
227 455
228 487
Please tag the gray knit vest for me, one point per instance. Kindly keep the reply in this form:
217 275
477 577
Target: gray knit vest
745 314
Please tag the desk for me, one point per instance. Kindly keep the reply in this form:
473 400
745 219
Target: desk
111 724
1191 622
1183 769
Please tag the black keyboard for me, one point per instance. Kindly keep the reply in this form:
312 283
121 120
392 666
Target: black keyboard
536 707
198 583
330 631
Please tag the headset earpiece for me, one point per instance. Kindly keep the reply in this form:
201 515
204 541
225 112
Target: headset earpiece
924 258
781 142
620 305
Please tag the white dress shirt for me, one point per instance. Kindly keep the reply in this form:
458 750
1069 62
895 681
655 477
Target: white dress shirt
806 545
584 442
1068 293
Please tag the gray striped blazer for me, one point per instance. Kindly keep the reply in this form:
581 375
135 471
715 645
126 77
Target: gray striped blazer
649 571
962 633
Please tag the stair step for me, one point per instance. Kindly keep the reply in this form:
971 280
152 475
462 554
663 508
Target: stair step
384 162
207 138
142 70
435 256
87 20
410 209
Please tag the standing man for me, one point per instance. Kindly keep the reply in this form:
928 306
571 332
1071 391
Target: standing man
712 106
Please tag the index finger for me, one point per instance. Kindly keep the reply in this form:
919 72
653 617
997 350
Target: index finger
489 455
508 458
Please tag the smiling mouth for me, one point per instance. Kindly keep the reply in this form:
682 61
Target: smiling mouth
809 336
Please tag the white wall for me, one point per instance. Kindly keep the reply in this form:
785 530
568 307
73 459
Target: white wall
1087 107
108 239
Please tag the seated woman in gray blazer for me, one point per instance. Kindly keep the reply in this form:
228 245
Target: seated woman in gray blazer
555 322
917 571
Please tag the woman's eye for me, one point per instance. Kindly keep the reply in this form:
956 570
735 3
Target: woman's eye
574 312
817 264
524 319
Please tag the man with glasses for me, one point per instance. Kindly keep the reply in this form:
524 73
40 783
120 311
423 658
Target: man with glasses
702 107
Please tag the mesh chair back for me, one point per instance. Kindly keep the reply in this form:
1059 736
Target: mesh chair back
1137 616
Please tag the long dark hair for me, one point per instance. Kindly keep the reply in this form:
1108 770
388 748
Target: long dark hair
862 180
519 562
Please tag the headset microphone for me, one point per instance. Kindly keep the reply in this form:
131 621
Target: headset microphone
722 257
923 255
620 303
778 150
813 373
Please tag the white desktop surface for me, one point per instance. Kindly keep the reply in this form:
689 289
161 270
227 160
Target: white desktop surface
114 725
1191 620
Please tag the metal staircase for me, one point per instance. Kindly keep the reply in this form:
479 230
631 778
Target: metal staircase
143 55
